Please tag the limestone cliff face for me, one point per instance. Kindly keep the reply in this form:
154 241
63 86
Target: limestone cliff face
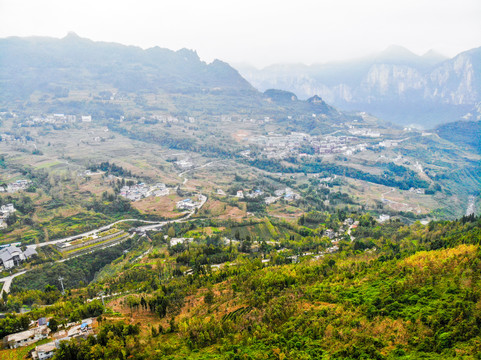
399 82
456 81
386 80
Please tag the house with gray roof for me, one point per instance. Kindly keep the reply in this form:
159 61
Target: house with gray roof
29 252
25 338
11 256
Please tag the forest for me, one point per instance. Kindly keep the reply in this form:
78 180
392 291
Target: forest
396 292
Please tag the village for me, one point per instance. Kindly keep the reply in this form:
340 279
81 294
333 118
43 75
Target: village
55 119
276 146
189 204
5 212
13 187
11 255
43 329
141 191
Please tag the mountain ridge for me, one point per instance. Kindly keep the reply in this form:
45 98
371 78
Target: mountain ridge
396 84
35 62
113 80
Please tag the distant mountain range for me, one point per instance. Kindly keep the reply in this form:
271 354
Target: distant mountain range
31 64
74 73
396 85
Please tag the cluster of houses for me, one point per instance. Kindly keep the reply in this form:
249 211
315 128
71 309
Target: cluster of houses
337 145
417 191
280 146
287 194
388 143
250 195
165 118
17 138
275 146
186 204
5 212
26 337
15 186
184 164
11 255
40 332
366 132
56 119
140 191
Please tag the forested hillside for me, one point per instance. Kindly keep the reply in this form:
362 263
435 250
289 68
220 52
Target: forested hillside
395 292
462 133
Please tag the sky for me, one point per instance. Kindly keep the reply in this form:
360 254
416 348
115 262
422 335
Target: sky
256 32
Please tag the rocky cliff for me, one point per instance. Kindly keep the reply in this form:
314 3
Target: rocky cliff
396 85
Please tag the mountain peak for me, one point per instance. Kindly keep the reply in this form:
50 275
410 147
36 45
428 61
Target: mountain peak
316 99
71 36
281 96
189 54
396 52
77 61
434 56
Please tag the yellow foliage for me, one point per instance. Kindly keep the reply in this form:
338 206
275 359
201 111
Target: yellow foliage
440 260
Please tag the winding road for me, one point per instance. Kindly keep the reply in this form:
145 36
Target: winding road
7 281
153 225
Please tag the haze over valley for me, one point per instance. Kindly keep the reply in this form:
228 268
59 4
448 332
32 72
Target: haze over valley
396 85
160 201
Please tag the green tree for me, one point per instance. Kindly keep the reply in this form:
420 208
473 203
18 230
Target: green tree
53 324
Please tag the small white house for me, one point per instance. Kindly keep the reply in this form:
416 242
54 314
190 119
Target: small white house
25 338
384 218
186 204
45 351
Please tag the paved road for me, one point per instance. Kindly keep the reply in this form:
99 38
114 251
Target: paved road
88 233
203 199
350 229
161 224
7 281
155 225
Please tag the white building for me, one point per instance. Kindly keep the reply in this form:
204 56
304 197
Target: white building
12 256
7 209
384 218
18 185
184 164
329 233
45 351
25 338
270 200
87 118
186 204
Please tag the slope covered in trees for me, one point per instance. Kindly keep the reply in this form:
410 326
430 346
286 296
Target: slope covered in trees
395 292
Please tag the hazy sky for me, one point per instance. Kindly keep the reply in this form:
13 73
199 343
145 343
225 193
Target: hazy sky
259 32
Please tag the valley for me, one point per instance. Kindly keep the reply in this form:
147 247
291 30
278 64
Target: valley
184 214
